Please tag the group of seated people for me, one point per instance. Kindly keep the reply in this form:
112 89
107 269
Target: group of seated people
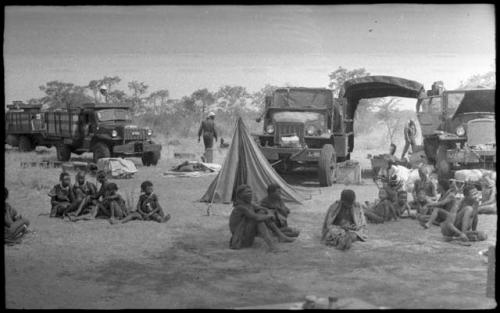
345 220
82 201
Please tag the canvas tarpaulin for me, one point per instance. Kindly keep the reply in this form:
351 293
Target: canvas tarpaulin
245 164
116 167
303 97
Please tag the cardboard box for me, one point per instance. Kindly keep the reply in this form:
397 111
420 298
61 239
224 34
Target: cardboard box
348 172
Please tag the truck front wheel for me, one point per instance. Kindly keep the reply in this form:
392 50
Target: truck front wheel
156 158
12 140
25 144
327 163
100 150
63 152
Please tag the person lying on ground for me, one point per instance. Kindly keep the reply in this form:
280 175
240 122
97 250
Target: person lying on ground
15 226
440 207
426 184
344 222
401 205
488 203
381 210
277 207
148 205
117 206
245 223
61 196
84 191
461 221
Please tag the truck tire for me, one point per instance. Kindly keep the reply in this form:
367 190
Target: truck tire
155 158
100 150
327 163
147 158
25 144
442 165
63 152
12 140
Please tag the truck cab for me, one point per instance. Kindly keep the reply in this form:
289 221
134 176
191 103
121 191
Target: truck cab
458 127
303 127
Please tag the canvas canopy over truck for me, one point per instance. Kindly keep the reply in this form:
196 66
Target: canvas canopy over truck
374 87
105 130
458 127
303 127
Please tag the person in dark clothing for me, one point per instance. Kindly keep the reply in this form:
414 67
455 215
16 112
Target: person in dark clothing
207 129
410 132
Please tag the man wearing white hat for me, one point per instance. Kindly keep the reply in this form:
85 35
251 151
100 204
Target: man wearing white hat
102 96
207 128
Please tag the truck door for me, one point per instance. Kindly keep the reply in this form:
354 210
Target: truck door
429 114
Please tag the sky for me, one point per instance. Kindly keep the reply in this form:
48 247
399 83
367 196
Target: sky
184 48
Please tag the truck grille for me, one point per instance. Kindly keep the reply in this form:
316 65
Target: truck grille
288 129
481 132
135 134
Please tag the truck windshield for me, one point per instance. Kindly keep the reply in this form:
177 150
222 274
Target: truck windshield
113 115
315 118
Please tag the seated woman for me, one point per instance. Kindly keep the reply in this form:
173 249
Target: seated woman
277 207
381 210
15 226
344 222
248 220
61 196
488 203
83 191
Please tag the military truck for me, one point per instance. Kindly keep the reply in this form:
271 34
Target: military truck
106 130
303 127
458 127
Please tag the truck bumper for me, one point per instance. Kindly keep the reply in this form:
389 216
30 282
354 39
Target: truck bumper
471 156
275 153
136 148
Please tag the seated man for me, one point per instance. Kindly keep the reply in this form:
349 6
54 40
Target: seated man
461 221
441 207
84 191
381 210
277 207
61 196
15 226
248 220
488 203
344 222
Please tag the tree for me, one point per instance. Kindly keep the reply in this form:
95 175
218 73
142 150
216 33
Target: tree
486 80
258 97
388 115
161 95
339 76
203 97
108 81
231 98
60 94
138 90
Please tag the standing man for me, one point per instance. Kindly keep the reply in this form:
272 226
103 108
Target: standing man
102 96
410 133
207 128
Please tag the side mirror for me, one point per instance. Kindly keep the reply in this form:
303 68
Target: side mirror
258 119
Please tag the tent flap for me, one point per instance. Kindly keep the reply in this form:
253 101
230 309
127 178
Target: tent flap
245 164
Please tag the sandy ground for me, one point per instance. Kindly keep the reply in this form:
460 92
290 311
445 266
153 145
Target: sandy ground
186 263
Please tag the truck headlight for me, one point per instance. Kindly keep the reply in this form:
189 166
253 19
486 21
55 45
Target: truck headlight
150 132
270 129
460 131
114 133
310 130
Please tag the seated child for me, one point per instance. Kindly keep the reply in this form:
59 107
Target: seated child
61 196
117 206
380 210
148 205
275 205
488 203
420 205
401 205
15 226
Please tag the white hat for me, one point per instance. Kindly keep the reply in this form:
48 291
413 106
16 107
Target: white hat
103 87
211 114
